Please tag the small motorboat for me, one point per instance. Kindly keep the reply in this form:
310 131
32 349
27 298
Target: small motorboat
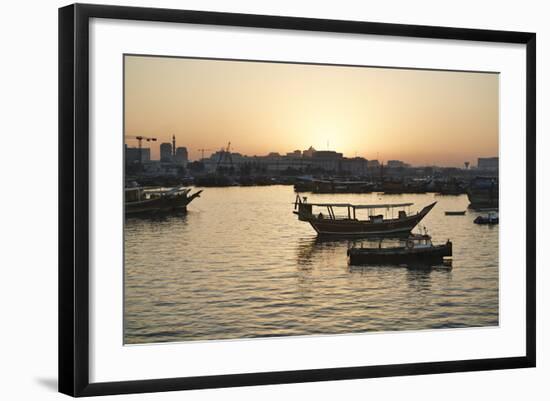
416 249
455 212
491 218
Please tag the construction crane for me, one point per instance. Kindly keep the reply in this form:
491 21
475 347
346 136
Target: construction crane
225 155
202 152
141 138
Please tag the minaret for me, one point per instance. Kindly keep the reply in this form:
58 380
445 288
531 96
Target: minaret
173 145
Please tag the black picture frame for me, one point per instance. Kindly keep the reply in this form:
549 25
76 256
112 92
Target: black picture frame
74 198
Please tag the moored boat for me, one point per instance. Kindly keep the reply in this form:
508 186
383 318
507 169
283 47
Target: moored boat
332 186
416 249
455 212
491 218
350 225
139 200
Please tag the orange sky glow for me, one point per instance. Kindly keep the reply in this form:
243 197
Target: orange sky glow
421 117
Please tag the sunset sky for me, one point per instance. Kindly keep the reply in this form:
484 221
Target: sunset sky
420 117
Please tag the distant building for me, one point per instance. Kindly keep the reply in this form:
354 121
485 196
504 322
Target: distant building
487 163
181 156
156 168
224 159
327 159
373 164
327 154
132 155
165 152
355 165
296 154
396 164
309 152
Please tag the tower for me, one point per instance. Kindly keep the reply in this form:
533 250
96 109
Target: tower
181 156
166 153
173 145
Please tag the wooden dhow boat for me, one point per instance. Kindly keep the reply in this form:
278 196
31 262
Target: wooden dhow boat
139 200
377 224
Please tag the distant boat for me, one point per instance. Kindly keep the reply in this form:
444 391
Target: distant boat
417 249
350 225
331 186
455 213
491 218
148 200
487 209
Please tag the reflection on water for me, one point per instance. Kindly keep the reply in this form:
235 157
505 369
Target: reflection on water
239 264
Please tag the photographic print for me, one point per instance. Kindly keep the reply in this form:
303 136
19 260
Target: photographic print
268 199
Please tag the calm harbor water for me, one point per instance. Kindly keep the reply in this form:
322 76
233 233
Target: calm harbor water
239 265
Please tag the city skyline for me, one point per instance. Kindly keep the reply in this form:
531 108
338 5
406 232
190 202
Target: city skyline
207 155
421 117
